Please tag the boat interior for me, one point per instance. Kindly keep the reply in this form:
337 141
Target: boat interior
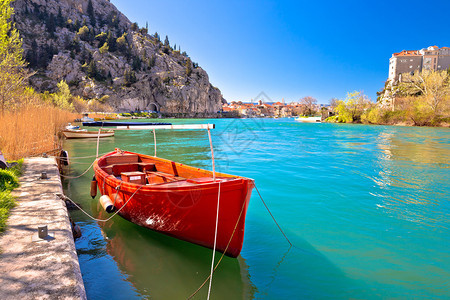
144 170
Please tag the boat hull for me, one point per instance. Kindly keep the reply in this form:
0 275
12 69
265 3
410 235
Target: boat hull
75 134
184 210
309 120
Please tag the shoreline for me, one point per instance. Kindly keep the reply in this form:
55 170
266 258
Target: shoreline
39 268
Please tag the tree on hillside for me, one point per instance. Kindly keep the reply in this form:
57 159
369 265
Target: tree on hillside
12 72
103 49
59 18
101 38
122 43
111 42
62 97
434 86
188 67
91 13
166 41
84 33
51 25
309 104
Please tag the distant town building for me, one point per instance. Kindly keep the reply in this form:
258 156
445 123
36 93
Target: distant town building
408 61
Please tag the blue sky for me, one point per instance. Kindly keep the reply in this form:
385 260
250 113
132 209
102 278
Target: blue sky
293 49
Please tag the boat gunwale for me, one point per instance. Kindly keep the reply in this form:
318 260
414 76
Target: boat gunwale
236 182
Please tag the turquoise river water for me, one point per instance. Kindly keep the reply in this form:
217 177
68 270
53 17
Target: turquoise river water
367 209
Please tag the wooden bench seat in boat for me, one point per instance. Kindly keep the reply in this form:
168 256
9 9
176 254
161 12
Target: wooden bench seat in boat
122 159
155 177
117 169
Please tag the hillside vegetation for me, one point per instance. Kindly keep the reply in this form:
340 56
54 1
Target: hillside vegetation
101 55
421 99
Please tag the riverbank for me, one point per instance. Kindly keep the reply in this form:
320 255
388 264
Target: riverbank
31 267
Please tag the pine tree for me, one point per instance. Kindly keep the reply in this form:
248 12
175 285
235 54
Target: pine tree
122 43
59 18
188 67
166 41
32 55
152 61
91 13
111 42
51 25
92 70
137 64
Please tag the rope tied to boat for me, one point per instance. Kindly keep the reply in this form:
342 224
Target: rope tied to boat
224 251
272 216
215 240
74 177
81 157
117 188
64 197
234 230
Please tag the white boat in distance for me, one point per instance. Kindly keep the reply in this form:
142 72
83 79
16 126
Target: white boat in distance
83 134
309 119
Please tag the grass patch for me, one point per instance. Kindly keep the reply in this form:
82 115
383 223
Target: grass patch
9 180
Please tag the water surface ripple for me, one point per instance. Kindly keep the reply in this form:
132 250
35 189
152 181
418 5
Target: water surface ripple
367 208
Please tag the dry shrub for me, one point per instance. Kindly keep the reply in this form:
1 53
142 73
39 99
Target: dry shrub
31 130
97 106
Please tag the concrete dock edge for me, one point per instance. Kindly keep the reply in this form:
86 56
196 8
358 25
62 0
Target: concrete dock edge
43 269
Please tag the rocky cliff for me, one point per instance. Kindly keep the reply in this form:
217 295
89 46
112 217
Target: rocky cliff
102 55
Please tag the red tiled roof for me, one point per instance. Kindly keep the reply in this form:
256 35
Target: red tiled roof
408 53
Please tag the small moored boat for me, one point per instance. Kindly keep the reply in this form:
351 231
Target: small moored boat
72 127
309 119
83 133
175 199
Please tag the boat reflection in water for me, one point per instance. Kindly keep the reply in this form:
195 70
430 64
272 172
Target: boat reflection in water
149 259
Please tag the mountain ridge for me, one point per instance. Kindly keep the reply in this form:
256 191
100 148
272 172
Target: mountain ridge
102 55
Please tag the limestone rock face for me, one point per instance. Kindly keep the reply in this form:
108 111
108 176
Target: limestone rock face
63 67
98 51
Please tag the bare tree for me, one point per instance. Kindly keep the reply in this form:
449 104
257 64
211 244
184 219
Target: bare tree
309 105
334 102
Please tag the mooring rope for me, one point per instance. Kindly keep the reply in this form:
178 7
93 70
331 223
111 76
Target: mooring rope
272 216
224 251
64 197
215 241
212 155
74 177
234 230
80 157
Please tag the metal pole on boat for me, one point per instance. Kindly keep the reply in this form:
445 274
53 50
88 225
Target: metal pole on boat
212 154
154 139
98 141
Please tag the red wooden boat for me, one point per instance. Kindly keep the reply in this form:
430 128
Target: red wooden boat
176 199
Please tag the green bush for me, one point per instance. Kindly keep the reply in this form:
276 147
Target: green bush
4 212
332 119
8 180
6 200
